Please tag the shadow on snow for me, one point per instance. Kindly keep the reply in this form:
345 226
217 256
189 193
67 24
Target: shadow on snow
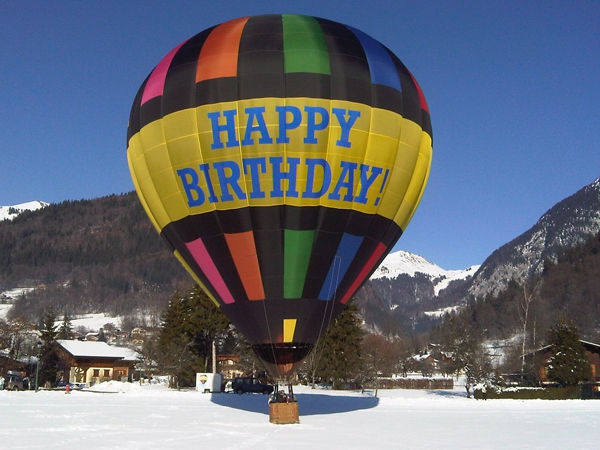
308 404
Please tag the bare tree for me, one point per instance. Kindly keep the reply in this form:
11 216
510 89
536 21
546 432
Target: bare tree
380 357
524 303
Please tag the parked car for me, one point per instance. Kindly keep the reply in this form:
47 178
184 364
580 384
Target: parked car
241 385
13 381
71 384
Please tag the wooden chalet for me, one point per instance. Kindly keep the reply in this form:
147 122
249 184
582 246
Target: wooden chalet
93 362
228 365
593 353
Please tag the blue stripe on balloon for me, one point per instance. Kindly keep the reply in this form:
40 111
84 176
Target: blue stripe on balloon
382 68
343 257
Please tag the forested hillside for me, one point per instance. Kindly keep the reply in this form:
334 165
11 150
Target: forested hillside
98 255
567 289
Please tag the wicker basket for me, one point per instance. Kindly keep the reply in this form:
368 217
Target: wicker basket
284 413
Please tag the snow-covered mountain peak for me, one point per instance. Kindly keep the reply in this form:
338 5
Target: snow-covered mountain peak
403 262
406 263
10 212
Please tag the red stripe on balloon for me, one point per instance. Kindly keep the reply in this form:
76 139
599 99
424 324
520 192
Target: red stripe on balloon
421 95
156 83
366 270
219 54
203 259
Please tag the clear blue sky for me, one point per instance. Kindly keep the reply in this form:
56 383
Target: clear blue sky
513 88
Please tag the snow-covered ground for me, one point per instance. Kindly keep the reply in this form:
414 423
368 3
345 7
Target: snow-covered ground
93 321
129 416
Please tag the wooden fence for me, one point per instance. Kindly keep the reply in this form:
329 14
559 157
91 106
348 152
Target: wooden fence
412 383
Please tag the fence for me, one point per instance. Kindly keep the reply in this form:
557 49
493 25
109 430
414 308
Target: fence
412 383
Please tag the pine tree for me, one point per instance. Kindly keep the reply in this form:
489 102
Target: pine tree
49 359
65 331
190 324
173 344
340 360
205 323
569 364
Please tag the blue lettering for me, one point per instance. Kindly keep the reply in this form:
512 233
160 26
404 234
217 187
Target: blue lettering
312 125
256 112
231 180
345 124
345 181
254 165
366 182
190 181
278 176
310 191
228 126
211 192
284 125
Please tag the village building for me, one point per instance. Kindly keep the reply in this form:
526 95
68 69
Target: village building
228 366
94 362
592 351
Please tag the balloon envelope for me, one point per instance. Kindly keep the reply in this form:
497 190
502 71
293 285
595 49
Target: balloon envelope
280 157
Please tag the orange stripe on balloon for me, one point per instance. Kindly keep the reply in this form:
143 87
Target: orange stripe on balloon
219 54
377 254
243 251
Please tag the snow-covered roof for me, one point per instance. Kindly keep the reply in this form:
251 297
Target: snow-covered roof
97 350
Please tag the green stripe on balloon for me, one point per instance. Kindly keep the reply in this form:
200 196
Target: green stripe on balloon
297 250
304 45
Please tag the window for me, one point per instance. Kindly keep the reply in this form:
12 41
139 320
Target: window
106 373
96 372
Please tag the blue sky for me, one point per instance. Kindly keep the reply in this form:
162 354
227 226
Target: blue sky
513 89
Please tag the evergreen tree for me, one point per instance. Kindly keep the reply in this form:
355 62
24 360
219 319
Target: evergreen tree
569 364
339 358
174 356
190 324
205 323
49 359
101 335
65 330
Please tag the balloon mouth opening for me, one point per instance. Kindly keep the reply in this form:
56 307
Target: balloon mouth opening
282 359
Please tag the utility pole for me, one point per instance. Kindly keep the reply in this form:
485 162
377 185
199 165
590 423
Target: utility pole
214 356
37 367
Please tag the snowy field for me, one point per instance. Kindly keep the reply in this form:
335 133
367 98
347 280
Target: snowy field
129 416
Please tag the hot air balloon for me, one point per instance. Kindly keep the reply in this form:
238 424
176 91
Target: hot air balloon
280 157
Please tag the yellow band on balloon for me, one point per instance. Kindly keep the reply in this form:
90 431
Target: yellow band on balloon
275 151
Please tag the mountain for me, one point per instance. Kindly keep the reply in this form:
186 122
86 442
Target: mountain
408 293
569 223
88 256
102 255
406 263
10 212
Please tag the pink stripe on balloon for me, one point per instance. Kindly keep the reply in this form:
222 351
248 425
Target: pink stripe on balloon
156 83
378 253
203 259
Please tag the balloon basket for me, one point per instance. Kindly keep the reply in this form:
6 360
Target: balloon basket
284 413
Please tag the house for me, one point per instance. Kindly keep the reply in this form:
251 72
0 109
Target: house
228 366
94 362
593 353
